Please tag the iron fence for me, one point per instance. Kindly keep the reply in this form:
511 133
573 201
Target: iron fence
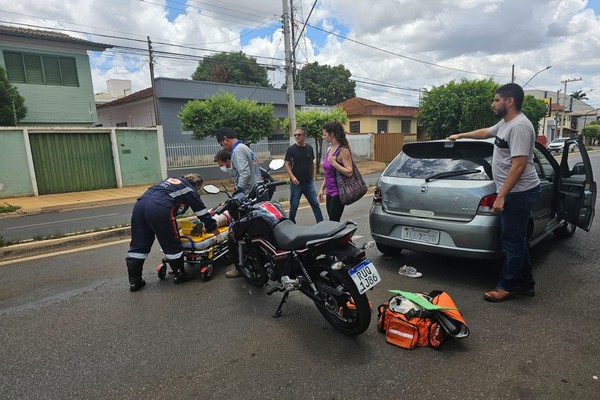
203 153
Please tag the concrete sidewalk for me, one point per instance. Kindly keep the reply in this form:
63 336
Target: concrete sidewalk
127 195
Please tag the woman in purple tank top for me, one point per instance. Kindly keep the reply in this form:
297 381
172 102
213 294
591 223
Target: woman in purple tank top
336 159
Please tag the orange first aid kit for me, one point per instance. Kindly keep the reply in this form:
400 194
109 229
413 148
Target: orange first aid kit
418 319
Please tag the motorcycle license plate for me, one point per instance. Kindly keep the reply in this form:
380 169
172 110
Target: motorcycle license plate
365 276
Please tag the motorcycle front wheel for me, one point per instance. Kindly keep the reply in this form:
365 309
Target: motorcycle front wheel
350 312
251 269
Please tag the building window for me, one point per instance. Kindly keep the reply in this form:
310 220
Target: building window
121 124
355 127
382 126
405 128
40 70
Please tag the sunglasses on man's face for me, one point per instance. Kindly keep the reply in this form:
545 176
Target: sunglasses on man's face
298 134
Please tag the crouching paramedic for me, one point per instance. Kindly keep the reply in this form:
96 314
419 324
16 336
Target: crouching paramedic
154 216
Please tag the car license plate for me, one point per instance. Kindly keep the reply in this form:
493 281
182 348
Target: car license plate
365 276
420 235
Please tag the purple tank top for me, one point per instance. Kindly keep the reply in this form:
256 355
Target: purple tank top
330 171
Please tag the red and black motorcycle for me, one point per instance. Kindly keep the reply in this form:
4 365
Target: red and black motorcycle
320 261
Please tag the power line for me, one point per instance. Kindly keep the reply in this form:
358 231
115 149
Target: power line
395 53
204 14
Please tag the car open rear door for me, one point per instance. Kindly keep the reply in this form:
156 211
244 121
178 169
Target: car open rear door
576 187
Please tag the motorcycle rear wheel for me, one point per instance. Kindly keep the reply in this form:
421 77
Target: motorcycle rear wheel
349 313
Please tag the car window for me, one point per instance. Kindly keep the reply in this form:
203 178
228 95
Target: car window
423 160
542 166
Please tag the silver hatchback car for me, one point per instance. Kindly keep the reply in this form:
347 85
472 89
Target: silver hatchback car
437 197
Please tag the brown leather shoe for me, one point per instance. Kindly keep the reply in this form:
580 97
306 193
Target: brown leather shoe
233 273
497 295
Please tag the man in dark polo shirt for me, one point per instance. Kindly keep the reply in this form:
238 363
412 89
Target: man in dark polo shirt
299 159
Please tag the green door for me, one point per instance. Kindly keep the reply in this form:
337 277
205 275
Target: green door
72 162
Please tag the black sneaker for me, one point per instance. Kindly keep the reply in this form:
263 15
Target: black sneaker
524 292
134 287
182 277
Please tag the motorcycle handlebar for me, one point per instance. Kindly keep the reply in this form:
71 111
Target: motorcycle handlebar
220 209
277 183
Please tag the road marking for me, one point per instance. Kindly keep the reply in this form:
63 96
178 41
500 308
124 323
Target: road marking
60 221
59 253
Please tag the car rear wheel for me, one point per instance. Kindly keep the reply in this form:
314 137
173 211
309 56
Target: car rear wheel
387 250
565 231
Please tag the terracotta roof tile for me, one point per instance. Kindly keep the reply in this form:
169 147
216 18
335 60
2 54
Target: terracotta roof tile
359 106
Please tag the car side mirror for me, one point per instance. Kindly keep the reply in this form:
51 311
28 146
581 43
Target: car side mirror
578 169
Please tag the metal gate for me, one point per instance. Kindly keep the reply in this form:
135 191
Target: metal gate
72 162
387 146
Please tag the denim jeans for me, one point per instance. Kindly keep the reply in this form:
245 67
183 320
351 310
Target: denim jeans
308 190
517 271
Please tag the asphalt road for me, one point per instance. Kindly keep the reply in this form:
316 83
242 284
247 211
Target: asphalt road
71 330
87 219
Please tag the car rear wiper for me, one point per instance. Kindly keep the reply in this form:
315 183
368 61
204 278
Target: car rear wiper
452 173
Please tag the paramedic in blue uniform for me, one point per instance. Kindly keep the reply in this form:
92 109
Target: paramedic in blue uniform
154 216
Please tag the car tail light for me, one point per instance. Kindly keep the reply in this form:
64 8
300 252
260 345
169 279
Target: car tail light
486 205
377 195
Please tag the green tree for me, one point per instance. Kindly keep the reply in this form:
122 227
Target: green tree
535 110
325 85
250 120
12 104
235 68
579 95
457 107
312 122
592 131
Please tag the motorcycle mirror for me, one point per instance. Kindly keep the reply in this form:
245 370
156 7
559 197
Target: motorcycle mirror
276 164
212 189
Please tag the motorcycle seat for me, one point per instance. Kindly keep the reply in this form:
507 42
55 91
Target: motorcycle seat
290 236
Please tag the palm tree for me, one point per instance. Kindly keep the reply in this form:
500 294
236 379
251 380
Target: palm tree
579 95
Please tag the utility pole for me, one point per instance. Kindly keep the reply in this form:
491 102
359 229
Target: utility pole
289 71
564 113
513 74
151 56
293 38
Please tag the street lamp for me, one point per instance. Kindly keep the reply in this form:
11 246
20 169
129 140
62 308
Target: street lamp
534 75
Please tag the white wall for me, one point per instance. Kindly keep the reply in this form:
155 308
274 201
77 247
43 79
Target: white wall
138 114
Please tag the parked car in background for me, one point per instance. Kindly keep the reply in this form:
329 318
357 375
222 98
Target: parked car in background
558 144
437 197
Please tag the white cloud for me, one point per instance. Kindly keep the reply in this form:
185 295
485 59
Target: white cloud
453 39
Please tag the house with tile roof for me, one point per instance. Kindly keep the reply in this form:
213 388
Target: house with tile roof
52 71
368 116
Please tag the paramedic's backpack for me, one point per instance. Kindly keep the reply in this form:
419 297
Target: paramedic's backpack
419 319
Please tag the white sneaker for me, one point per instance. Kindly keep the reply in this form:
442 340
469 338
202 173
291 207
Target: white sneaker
410 272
